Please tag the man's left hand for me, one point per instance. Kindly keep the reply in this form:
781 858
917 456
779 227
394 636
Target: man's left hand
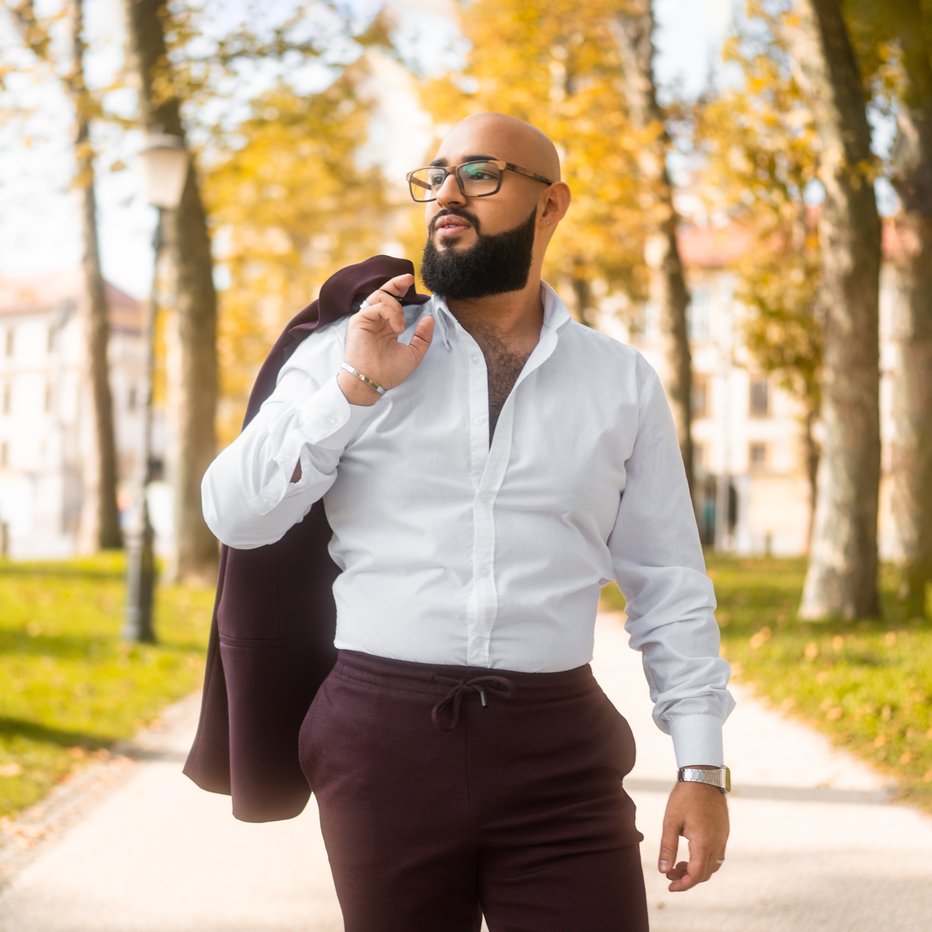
700 814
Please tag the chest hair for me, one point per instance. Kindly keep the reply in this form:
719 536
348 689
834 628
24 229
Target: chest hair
504 365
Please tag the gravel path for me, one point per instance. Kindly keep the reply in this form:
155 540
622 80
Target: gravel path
131 844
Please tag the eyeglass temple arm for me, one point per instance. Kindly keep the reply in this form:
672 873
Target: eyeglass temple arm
529 174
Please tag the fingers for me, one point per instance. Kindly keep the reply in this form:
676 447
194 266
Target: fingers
385 302
398 286
698 869
374 342
423 334
669 842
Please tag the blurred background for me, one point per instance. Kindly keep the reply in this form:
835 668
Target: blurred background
752 209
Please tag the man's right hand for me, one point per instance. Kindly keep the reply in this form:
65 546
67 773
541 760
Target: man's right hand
372 344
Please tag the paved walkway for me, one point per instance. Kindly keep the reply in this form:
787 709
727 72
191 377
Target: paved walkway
133 845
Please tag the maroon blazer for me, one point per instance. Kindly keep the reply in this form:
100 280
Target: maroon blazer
271 636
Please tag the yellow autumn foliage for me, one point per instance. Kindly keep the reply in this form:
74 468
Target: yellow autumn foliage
291 204
557 65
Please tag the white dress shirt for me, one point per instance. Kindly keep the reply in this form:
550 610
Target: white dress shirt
457 551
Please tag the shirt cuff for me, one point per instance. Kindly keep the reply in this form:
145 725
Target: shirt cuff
325 424
327 420
697 739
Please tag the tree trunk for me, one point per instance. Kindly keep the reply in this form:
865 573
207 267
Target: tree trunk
100 515
667 280
812 468
912 329
842 575
582 293
194 395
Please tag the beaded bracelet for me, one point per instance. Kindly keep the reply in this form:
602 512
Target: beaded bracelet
352 370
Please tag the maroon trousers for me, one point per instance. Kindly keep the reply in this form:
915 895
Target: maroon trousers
448 793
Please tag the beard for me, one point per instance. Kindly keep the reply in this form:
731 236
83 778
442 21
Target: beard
495 264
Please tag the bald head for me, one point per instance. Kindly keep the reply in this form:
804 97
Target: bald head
504 137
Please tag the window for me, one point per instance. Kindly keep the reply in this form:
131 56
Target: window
9 341
757 457
759 398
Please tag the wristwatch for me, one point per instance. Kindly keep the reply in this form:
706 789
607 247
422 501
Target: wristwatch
716 776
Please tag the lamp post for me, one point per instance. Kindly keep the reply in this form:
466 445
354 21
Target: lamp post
164 161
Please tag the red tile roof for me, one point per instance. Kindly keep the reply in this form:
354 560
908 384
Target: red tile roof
719 247
41 293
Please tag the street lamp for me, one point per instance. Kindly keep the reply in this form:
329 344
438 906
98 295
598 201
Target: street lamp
164 161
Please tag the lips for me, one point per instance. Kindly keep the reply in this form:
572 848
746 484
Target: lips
451 225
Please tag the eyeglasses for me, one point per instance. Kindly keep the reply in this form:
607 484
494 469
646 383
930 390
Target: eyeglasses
478 178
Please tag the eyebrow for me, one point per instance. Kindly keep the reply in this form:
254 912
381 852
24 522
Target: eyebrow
442 163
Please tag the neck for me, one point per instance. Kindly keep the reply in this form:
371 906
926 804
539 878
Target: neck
515 317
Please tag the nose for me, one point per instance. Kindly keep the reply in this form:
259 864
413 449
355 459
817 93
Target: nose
449 192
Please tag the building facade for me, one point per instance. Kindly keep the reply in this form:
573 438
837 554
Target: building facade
752 492
45 428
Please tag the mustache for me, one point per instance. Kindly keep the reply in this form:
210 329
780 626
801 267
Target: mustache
454 212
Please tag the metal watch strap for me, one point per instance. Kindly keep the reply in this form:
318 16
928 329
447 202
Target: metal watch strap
717 776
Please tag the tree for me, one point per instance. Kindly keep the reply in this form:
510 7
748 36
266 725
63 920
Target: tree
100 515
911 174
197 66
667 279
195 300
842 574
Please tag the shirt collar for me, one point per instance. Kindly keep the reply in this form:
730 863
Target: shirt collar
556 314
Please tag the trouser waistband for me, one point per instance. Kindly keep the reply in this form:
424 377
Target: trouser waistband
451 683
422 677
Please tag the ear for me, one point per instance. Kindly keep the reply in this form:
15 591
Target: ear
556 202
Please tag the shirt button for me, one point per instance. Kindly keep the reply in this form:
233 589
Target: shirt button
331 419
478 420
474 358
485 497
484 569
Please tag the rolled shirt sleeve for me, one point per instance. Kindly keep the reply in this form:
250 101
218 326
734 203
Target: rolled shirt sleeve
659 566
247 493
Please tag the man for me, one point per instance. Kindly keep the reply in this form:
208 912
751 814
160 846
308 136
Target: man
486 464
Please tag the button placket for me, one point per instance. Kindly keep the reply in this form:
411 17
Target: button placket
489 462
483 604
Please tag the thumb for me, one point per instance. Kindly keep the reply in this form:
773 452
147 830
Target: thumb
669 842
423 334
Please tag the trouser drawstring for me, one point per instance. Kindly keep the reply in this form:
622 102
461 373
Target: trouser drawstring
453 700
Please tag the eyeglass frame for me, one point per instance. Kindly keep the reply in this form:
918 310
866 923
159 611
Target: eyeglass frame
500 164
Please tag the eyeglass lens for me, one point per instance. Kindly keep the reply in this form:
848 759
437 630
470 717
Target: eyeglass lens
476 179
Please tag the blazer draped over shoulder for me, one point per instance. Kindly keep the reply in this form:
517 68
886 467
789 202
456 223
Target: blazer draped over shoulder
271 635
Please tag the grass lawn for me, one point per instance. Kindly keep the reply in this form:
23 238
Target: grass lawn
866 684
69 687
